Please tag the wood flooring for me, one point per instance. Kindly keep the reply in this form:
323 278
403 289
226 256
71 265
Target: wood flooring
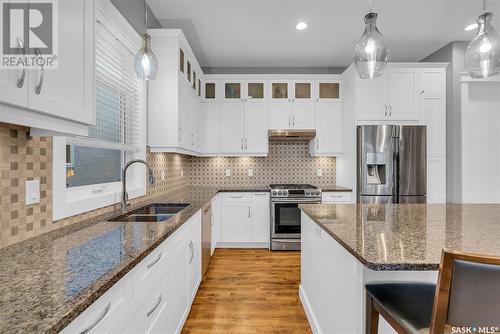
249 291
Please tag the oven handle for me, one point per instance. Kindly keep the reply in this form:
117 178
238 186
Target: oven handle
298 201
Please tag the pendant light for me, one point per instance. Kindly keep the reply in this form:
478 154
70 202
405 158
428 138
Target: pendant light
371 52
145 63
482 56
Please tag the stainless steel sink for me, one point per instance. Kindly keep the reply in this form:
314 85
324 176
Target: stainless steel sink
156 212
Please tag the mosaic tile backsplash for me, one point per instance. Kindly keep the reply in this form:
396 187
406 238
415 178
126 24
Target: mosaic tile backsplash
23 158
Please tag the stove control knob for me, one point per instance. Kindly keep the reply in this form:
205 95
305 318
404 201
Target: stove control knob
285 192
280 193
274 193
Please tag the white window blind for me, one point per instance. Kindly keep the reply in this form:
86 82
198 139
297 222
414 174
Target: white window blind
118 95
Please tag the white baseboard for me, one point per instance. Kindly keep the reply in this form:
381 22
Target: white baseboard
309 313
242 244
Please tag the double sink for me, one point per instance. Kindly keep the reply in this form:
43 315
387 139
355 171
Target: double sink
156 212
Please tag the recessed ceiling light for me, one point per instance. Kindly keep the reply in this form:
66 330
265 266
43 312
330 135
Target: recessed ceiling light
471 26
301 26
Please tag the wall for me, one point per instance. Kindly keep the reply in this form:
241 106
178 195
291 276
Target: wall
23 158
454 54
287 162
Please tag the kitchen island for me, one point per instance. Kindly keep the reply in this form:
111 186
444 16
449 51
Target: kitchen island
346 246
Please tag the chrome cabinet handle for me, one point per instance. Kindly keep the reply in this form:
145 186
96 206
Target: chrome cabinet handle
246 143
96 321
38 87
154 262
20 80
236 196
191 247
422 93
260 194
154 307
241 143
317 143
293 120
249 212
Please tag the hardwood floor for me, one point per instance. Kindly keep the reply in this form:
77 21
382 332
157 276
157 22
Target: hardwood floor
249 291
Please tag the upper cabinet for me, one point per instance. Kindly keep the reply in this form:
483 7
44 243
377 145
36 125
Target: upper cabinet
328 91
56 100
174 115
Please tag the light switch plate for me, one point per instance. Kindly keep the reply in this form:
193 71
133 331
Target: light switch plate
163 175
182 172
319 172
250 172
32 192
227 172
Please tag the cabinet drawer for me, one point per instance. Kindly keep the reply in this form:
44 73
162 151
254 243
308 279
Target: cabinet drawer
150 268
104 313
334 197
237 197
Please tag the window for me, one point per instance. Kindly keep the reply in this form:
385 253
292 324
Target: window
91 170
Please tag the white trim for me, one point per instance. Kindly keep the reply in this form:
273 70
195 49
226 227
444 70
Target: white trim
72 201
307 309
244 244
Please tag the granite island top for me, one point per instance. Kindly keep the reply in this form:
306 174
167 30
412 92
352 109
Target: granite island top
409 236
47 281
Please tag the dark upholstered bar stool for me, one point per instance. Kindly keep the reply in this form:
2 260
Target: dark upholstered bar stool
467 295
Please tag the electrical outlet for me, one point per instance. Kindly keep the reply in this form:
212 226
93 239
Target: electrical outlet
319 172
163 175
250 172
182 172
32 192
227 172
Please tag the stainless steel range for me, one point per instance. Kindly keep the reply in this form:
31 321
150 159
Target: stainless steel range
285 213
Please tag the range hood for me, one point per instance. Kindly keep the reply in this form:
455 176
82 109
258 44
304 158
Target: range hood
294 134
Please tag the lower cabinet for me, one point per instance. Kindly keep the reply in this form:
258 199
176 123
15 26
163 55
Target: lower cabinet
244 219
155 296
331 197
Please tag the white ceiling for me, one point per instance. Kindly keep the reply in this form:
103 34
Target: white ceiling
262 33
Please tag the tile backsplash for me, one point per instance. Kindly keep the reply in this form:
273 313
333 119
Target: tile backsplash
24 158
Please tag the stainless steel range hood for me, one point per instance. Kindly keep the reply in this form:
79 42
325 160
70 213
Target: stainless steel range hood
294 134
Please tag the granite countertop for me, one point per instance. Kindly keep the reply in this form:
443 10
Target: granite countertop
45 282
409 236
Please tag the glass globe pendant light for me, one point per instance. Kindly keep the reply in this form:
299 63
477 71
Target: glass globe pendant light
145 62
482 56
370 56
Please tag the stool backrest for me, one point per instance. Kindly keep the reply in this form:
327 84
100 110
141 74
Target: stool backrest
467 292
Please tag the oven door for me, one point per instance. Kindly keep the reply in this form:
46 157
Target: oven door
285 217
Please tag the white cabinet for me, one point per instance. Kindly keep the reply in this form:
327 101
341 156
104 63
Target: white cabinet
331 197
436 179
393 96
292 104
244 128
210 128
194 245
216 221
328 91
245 219
175 110
236 215
329 130
64 101
260 217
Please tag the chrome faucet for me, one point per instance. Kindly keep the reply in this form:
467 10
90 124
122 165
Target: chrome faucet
151 181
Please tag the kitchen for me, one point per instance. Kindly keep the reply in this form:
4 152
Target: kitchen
172 166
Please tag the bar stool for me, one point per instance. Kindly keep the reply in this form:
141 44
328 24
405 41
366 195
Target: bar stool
467 295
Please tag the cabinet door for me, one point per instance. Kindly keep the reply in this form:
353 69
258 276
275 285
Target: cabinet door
195 256
370 99
216 221
14 82
210 129
433 112
303 91
279 116
232 134
328 91
255 91
210 91
302 115
68 91
185 115
260 217
436 180
279 91
233 91
329 129
402 94
236 221
177 273
256 140
433 81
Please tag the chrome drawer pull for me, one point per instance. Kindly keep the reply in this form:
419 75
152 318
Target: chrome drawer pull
154 262
236 196
191 248
99 318
38 87
20 80
154 307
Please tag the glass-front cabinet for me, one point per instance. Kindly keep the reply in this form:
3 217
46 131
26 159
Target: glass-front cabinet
328 91
233 91
302 91
210 91
279 90
255 91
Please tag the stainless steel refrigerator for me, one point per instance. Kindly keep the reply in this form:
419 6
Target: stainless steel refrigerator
391 164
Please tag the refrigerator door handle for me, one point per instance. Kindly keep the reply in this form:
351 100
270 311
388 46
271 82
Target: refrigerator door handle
395 167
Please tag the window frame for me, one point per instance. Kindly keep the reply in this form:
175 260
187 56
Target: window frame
76 200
